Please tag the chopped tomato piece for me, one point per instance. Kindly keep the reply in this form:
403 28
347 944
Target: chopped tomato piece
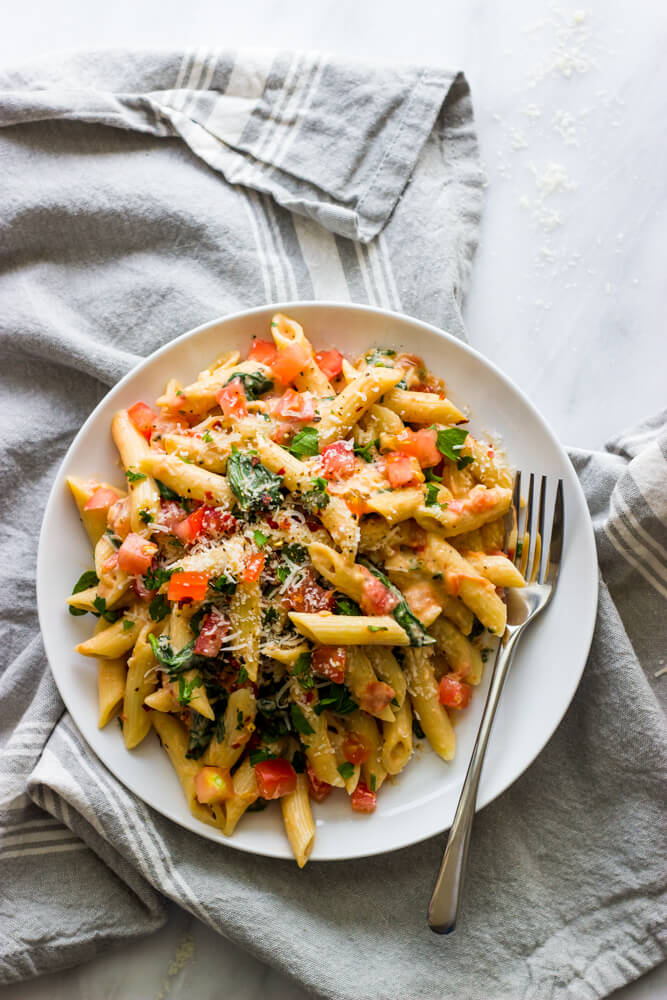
376 696
454 693
356 749
319 790
168 422
263 351
102 498
110 565
136 554
403 469
329 662
171 514
356 505
217 522
232 399
191 527
421 444
118 517
376 599
294 405
338 460
330 362
289 361
307 595
275 778
213 630
362 799
254 565
142 417
213 784
184 586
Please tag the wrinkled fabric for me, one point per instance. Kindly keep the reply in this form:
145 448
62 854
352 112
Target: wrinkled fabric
143 194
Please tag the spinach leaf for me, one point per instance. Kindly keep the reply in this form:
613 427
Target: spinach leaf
165 492
299 720
346 606
255 488
337 698
406 619
316 498
201 734
159 607
164 654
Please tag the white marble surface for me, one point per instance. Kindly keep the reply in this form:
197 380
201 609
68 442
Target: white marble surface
568 291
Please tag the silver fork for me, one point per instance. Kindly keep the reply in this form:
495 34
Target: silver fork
523 606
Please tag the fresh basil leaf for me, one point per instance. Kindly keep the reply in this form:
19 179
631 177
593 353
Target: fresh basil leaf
85 582
254 486
346 770
299 720
164 654
406 619
305 442
100 606
159 607
254 383
186 688
432 491
449 443
302 671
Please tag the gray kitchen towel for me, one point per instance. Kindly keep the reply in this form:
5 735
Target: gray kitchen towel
141 194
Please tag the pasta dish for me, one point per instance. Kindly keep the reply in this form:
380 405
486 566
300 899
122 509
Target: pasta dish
301 578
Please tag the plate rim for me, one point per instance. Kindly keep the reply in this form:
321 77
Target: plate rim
288 307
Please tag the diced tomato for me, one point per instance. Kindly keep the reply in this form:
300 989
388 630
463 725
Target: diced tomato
289 361
294 405
168 422
136 554
454 693
141 590
118 517
421 444
329 662
319 790
254 565
362 799
171 514
403 469
330 362
376 599
307 595
356 749
213 784
356 505
232 399
184 586
338 460
217 522
142 417
263 351
275 778
101 498
191 527
110 565
213 630
376 696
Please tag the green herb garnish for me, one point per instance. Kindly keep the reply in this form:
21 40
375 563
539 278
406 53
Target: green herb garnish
365 450
346 606
299 720
223 584
146 516
164 654
316 498
159 607
402 613
254 486
260 538
337 698
186 688
346 770
200 735
449 443
165 492
254 383
373 782
134 477
85 582
432 491
100 606
207 437
305 442
257 756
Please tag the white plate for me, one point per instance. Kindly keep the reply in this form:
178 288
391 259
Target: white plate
549 661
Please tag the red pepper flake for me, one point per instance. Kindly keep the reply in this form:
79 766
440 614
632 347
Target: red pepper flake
280 472
271 523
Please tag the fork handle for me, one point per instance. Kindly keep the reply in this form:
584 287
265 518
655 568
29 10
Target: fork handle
446 899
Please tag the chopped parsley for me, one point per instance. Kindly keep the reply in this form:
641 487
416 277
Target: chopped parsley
128 625
260 538
134 477
377 628
207 437
223 584
337 698
375 357
146 516
257 756
254 486
373 782
187 688
449 443
100 606
154 578
85 582
282 573
346 770
299 720
432 491
364 450
269 616
305 442
302 671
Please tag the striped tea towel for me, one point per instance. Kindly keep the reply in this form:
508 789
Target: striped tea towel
142 194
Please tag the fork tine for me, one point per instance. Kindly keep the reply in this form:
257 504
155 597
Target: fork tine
527 534
557 533
512 519
540 546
